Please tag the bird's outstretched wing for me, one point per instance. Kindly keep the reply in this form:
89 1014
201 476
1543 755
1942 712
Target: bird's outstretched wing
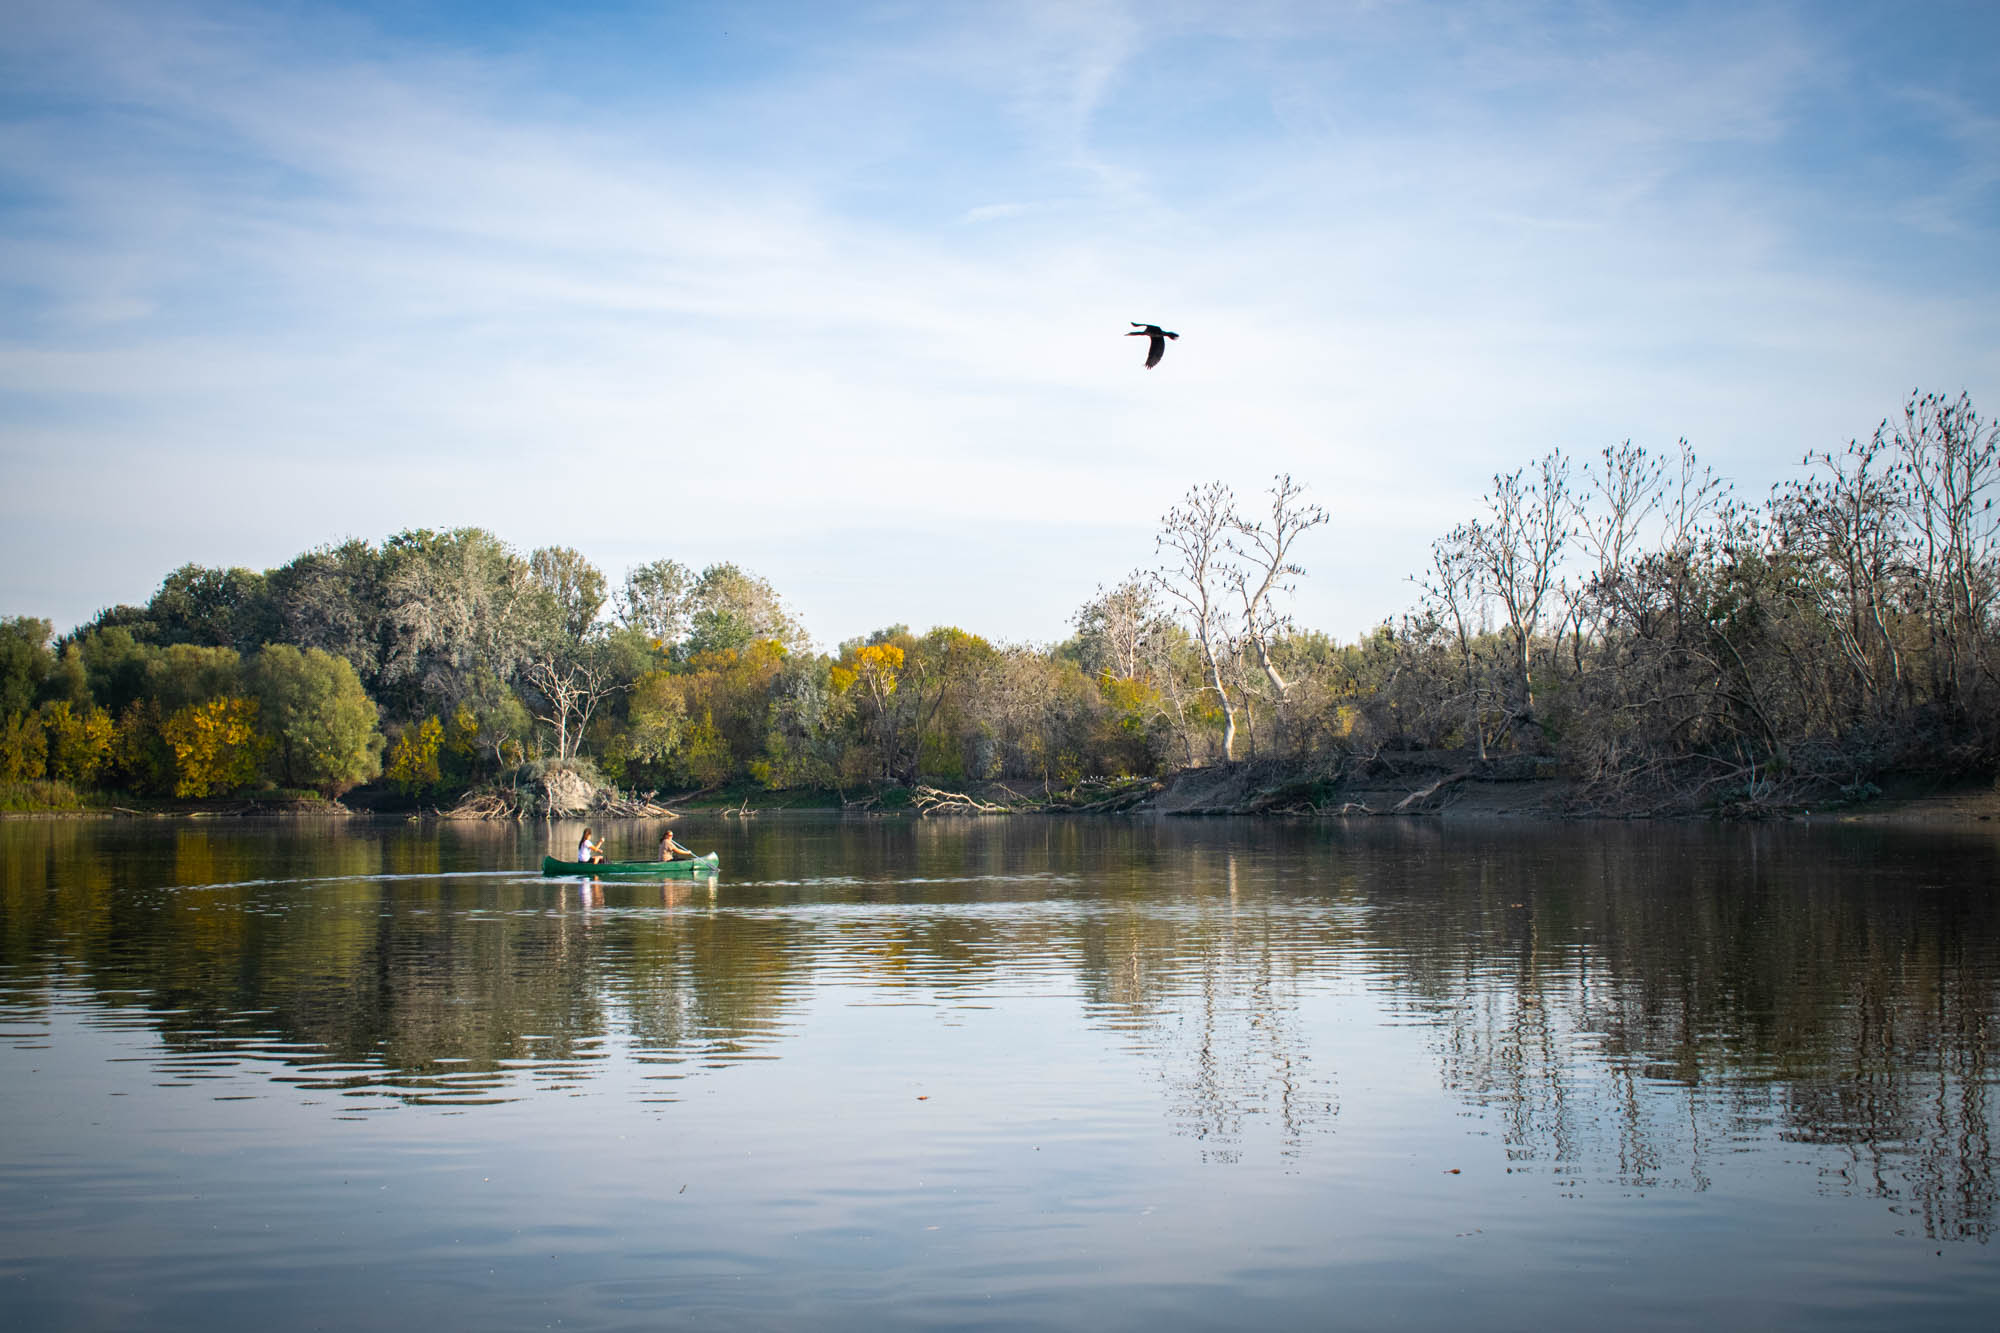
1156 341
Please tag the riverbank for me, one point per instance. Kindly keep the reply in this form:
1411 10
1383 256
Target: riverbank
1413 784
97 806
1418 784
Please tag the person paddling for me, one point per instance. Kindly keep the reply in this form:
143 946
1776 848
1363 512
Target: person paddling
588 852
673 851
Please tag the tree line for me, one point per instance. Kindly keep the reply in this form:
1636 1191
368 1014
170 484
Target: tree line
1630 622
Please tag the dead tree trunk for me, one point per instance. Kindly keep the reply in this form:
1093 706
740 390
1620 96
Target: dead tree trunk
1195 535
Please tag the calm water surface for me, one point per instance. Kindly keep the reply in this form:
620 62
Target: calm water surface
999 1074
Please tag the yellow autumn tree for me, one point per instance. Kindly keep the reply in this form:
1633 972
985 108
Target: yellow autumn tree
24 748
874 667
79 741
463 738
869 673
215 745
725 712
413 763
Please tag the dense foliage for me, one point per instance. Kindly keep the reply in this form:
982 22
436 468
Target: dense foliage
1630 622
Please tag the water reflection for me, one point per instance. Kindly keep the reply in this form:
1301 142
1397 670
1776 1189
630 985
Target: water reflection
1627 1008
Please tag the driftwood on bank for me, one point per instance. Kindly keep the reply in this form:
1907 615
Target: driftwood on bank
1417 798
630 807
484 805
931 801
1104 796
508 805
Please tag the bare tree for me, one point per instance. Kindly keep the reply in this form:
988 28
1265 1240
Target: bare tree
1194 537
1451 587
1618 498
1520 550
1841 529
1948 456
1265 568
1112 628
571 686
1697 498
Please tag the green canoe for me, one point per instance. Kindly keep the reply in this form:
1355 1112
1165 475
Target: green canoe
700 865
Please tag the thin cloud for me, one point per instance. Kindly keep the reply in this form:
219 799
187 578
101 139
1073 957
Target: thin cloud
995 212
286 265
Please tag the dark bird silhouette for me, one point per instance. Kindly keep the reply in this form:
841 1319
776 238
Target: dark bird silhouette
1156 344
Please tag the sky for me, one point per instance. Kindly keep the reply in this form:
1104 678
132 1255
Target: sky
836 292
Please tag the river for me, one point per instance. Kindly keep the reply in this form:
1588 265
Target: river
1000 1073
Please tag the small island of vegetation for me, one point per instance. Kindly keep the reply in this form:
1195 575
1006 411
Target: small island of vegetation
1628 626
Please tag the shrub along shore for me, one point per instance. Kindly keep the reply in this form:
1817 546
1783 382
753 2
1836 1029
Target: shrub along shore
1623 636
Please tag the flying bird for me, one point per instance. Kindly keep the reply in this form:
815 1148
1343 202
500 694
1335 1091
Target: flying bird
1156 341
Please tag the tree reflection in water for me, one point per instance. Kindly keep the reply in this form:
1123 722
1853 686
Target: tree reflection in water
1649 1000
1630 1005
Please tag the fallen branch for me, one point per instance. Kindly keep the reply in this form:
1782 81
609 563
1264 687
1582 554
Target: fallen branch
930 801
632 807
1121 797
1419 797
483 805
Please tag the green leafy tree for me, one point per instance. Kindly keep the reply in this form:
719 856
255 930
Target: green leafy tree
140 757
320 723
657 716
25 662
184 674
70 679
808 725
213 608
572 587
732 690
115 665
730 609
461 617
940 681
657 601
703 758
334 598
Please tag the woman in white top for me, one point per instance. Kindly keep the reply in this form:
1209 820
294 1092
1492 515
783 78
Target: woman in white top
588 852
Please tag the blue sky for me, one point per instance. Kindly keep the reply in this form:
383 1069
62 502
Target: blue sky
836 291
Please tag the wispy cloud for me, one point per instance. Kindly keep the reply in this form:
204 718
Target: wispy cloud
838 293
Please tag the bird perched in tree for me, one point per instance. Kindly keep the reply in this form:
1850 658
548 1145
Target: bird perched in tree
1156 344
